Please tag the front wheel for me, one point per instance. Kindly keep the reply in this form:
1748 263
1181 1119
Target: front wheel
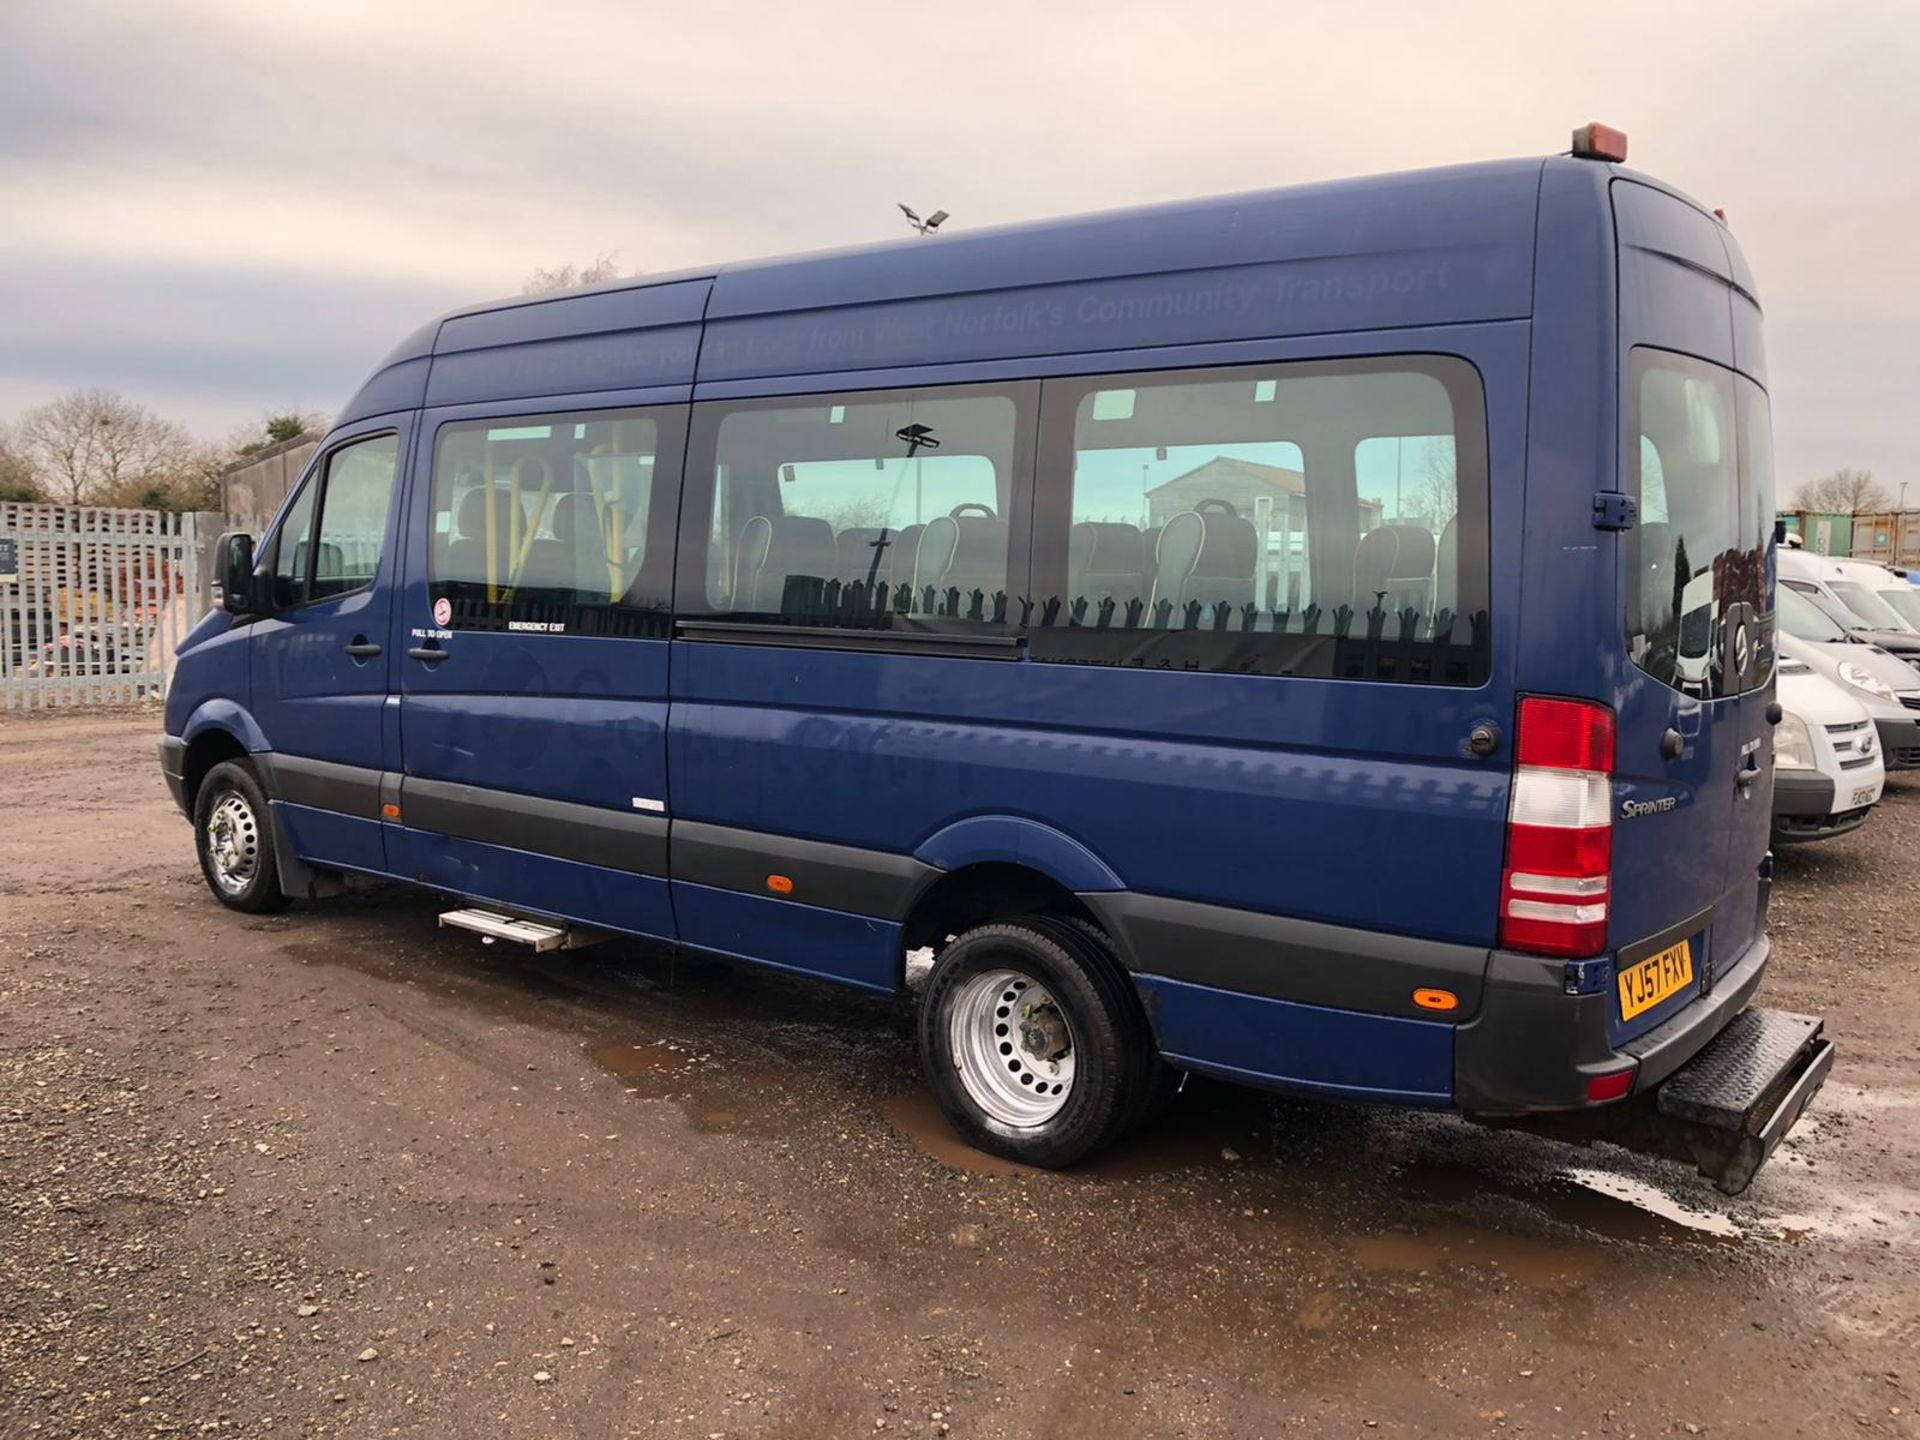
1034 1042
233 833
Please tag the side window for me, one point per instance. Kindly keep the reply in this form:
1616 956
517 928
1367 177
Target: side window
292 545
875 511
353 516
556 523
1325 519
1687 572
351 490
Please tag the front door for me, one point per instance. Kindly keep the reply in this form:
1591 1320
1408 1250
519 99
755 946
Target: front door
533 672
320 657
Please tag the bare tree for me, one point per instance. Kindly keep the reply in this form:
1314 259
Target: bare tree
1844 492
605 267
1439 485
858 512
16 476
93 446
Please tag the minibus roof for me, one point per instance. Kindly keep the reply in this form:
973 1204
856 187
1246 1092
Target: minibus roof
1427 247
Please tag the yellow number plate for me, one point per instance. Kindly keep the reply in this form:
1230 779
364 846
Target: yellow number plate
1645 985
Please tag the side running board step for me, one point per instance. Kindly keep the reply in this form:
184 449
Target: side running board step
537 934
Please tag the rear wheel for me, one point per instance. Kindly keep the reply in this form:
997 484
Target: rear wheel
1033 1041
233 834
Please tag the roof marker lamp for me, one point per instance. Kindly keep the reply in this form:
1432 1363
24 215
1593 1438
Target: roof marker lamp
1594 141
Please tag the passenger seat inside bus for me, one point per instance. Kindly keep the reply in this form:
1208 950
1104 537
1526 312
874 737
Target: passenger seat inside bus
1394 565
466 557
856 549
1106 559
772 551
964 551
570 557
1205 554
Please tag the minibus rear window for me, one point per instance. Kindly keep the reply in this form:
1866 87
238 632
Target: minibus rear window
1687 570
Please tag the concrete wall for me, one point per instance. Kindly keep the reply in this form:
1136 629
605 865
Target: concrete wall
251 493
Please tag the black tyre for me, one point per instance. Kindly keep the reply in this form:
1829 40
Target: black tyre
1034 1042
1161 1083
233 834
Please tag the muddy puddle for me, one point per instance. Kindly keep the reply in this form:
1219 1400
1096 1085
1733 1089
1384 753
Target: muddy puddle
738 1052
714 1093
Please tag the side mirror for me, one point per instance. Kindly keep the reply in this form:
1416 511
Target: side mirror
236 573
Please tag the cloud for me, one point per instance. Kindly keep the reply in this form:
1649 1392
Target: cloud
218 199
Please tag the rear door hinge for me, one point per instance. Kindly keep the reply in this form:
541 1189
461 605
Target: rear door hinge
1613 510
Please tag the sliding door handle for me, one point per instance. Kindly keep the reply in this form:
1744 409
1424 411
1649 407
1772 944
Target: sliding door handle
428 653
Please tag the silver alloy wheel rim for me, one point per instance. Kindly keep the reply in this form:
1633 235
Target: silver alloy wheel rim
1012 1048
233 843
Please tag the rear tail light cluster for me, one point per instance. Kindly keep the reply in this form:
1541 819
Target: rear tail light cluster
1559 872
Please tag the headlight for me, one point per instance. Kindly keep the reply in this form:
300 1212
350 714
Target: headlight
1792 746
1860 679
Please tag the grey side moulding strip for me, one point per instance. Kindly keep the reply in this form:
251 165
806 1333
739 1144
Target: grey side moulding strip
834 877
1285 959
614 839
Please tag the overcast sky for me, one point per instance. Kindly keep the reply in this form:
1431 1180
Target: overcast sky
219 207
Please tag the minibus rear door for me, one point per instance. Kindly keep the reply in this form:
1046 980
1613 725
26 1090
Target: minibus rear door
1685 772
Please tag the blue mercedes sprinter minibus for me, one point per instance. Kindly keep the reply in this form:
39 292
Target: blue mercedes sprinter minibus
1320 638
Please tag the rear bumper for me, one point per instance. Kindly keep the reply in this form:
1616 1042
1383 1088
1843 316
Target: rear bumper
1725 1111
173 765
1533 1047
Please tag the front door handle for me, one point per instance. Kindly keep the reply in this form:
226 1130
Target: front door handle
363 649
429 653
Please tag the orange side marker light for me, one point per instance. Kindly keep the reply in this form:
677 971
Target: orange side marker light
779 884
390 812
1436 999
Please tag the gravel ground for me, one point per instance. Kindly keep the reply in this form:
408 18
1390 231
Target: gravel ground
338 1172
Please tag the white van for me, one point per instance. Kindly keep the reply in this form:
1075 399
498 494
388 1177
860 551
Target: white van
1693 661
1888 688
1900 593
1826 758
1854 586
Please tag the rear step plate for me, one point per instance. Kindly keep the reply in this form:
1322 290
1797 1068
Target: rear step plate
537 934
1735 1101
1725 1081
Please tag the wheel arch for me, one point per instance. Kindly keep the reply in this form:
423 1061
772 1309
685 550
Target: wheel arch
217 730
209 748
977 894
1026 844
